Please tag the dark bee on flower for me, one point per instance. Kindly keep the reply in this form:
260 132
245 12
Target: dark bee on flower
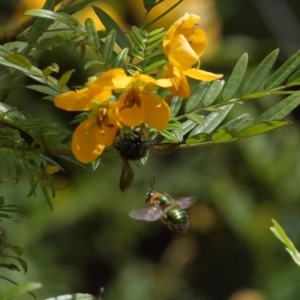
163 206
133 146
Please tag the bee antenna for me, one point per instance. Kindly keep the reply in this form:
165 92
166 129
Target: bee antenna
152 181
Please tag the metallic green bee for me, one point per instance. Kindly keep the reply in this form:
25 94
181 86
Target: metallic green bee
164 207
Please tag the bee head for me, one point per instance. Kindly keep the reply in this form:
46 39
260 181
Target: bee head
150 193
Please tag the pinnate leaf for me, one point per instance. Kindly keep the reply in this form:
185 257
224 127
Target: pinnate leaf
283 72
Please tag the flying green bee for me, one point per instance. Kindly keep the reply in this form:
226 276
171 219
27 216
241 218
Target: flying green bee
133 146
163 206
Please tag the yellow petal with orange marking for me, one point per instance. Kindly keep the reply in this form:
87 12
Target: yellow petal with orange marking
85 144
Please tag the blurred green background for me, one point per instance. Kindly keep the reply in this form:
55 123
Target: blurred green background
89 241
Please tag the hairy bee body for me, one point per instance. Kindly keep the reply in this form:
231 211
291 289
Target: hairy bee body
177 218
173 216
163 206
133 146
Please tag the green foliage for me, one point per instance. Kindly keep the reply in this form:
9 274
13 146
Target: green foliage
14 291
204 111
29 146
289 246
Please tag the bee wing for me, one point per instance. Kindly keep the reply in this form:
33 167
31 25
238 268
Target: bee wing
127 175
150 214
185 202
164 148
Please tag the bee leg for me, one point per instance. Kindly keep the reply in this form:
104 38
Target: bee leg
127 175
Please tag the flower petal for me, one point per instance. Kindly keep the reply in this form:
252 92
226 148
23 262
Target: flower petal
105 80
153 83
180 85
157 111
198 41
180 53
181 25
107 135
85 143
122 81
202 75
130 116
79 100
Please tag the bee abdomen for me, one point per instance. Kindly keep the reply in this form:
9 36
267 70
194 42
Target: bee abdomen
179 219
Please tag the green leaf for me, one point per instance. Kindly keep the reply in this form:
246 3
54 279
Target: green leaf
175 105
47 197
283 72
73 297
92 31
260 73
13 291
281 109
48 70
196 96
157 31
198 139
155 40
91 63
235 78
7 216
212 121
72 9
261 128
10 266
212 92
178 134
109 45
19 60
154 65
224 134
236 121
198 119
281 235
119 61
173 125
187 126
110 24
295 77
4 51
23 263
44 89
136 53
45 13
255 95
138 38
25 71
17 249
62 81
169 136
40 24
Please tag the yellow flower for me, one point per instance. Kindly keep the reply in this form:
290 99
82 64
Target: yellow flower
99 130
94 134
139 103
183 46
98 91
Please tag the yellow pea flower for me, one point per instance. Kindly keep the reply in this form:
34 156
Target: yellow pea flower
98 91
92 135
184 46
139 103
99 130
